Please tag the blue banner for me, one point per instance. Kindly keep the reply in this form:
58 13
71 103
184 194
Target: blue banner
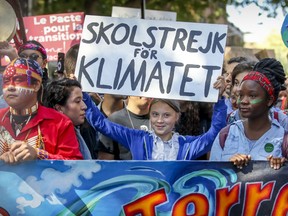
144 188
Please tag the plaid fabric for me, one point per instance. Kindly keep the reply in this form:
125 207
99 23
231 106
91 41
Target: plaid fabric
262 80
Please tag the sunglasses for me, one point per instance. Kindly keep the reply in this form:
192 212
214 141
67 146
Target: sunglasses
32 56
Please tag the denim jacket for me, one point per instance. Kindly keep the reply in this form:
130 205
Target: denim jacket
236 142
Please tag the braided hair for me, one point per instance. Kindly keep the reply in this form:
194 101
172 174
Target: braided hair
274 71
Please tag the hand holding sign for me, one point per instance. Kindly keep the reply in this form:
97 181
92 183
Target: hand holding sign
220 85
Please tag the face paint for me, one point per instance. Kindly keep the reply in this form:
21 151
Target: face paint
256 101
25 90
21 91
19 81
20 73
238 101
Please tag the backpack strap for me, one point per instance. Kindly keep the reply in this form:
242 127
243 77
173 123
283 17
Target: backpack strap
276 115
223 136
285 145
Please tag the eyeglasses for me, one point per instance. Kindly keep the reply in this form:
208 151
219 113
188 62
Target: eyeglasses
32 56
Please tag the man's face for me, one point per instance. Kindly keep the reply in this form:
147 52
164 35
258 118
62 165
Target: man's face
34 55
141 102
16 91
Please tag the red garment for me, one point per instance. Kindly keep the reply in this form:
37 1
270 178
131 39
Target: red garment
57 130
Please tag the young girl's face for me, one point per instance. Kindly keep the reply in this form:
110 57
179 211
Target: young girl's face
163 119
253 101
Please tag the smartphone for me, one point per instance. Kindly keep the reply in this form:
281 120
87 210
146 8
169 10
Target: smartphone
60 62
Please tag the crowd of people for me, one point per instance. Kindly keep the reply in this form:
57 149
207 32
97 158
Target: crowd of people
51 118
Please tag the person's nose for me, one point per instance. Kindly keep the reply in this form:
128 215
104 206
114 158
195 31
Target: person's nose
11 86
160 118
83 105
228 79
244 100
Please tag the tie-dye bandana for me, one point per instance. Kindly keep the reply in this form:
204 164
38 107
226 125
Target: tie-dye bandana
22 67
33 47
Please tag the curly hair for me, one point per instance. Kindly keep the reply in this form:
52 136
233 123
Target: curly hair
274 71
58 92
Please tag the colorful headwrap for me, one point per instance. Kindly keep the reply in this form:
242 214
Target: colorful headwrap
263 81
33 46
26 67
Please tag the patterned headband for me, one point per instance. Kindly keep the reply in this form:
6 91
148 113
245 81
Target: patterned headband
26 67
33 46
262 80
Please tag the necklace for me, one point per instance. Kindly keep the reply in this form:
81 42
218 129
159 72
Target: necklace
28 111
18 122
130 119
142 127
19 119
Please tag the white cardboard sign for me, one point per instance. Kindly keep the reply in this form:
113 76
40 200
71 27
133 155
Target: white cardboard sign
159 59
135 13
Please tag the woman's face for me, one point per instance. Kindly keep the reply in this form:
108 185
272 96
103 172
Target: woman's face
253 101
236 87
163 119
75 107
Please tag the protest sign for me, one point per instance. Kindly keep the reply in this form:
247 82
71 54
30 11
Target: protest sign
56 32
125 12
160 59
146 188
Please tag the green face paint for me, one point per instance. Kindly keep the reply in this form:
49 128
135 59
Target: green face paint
238 100
256 101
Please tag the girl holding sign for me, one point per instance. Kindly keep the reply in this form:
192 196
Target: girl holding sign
161 143
257 136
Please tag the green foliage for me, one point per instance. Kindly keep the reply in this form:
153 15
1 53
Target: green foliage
187 10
